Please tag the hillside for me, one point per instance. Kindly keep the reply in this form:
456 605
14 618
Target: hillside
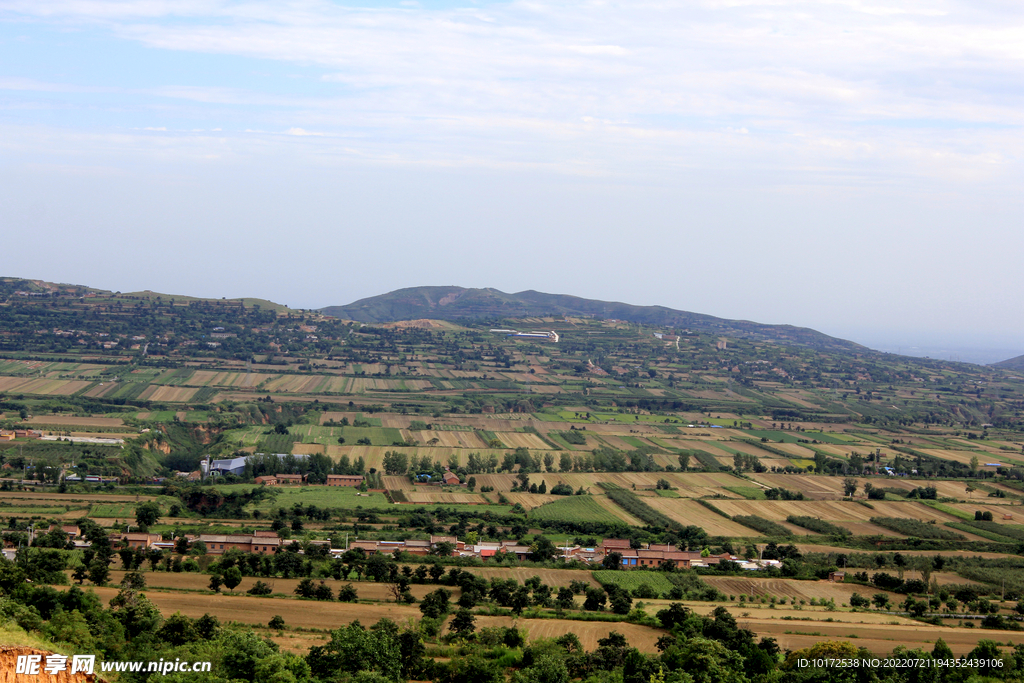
1016 363
454 303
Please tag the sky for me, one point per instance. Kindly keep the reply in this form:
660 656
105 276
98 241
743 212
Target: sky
854 166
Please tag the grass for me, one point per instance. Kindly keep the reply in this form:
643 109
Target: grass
949 510
321 496
667 493
990 535
575 508
748 492
116 510
631 580
916 528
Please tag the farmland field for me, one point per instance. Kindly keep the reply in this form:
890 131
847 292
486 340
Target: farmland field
170 394
688 512
578 508
321 496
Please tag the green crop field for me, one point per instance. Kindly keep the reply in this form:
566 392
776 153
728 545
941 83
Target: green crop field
631 580
748 492
576 508
115 510
321 496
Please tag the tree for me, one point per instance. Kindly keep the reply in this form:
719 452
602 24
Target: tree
216 581
595 600
621 602
435 604
564 462
850 486
974 465
463 623
542 550
684 461
232 577
99 571
147 514
178 630
519 600
276 622
565 598
612 560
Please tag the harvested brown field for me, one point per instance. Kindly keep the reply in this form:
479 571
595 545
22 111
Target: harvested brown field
101 390
330 615
689 512
831 511
367 590
76 421
69 498
609 505
436 496
999 512
522 440
814 548
169 394
878 637
308 448
530 500
791 588
552 577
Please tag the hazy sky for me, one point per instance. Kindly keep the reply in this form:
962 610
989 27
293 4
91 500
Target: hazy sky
850 165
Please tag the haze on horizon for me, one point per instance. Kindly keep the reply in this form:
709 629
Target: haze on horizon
854 167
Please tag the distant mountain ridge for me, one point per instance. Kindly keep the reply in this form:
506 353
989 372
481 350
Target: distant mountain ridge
461 303
1011 364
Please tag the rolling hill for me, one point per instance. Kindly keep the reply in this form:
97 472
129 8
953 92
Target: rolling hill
1011 364
460 303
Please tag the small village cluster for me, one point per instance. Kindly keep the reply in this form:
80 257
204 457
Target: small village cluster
650 556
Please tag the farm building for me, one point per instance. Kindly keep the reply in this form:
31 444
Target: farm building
266 481
290 478
217 544
344 480
139 540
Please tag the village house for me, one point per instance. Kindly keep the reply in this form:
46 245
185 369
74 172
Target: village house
344 480
140 540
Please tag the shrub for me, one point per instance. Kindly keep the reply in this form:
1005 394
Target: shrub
916 528
818 525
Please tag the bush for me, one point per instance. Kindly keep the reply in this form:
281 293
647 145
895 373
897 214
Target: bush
818 525
916 528
260 588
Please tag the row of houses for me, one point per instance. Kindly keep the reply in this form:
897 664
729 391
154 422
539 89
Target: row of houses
353 480
655 555
652 556
12 434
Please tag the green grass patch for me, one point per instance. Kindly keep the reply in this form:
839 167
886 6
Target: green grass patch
992 536
748 492
667 493
115 510
818 526
576 509
949 510
916 528
632 580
